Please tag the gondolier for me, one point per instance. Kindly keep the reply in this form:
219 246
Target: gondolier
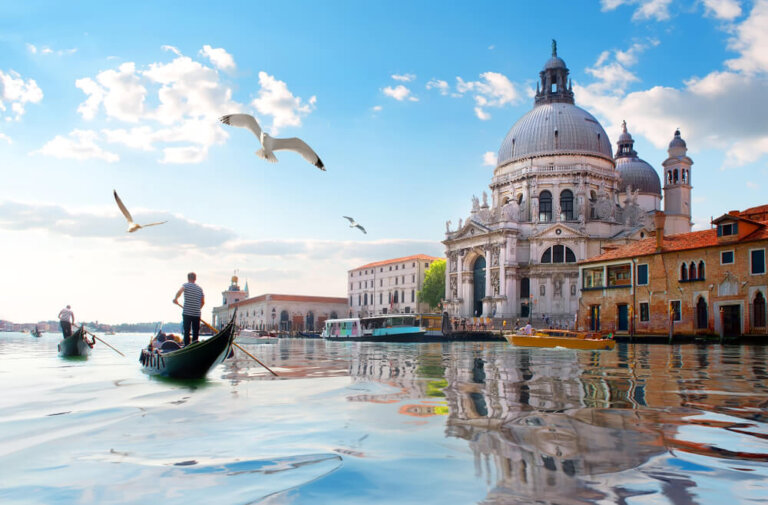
194 299
66 318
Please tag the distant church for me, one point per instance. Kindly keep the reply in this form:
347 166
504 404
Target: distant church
558 196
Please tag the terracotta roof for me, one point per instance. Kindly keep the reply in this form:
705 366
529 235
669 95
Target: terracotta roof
292 298
398 260
680 242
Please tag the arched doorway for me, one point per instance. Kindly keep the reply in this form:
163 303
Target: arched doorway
285 322
525 293
310 324
701 314
478 279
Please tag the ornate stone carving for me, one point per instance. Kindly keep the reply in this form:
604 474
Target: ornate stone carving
604 206
510 211
485 200
495 282
454 289
475 204
452 264
495 250
448 226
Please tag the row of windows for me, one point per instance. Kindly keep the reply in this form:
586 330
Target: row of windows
364 284
381 269
393 297
566 206
618 275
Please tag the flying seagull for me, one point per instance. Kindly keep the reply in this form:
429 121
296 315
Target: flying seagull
132 227
270 144
354 224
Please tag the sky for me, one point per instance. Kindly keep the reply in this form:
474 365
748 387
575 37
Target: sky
406 103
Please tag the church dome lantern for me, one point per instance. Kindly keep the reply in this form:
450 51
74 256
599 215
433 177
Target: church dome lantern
635 173
555 125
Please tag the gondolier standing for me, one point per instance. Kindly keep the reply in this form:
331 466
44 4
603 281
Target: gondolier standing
194 299
66 319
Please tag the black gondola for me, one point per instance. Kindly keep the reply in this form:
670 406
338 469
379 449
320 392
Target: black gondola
190 362
36 332
75 344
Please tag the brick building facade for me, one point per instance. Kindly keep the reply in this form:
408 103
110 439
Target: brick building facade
710 282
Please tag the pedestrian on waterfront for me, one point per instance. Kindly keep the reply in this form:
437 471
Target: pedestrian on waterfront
194 299
66 319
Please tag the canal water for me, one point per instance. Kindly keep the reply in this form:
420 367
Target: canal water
351 423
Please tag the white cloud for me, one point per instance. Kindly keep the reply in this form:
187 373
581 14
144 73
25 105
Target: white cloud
751 40
439 85
493 90
646 9
752 185
611 71
491 47
276 100
723 9
47 50
15 92
489 159
172 49
80 145
399 93
713 111
403 77
171 107
220 58
377 108
5 137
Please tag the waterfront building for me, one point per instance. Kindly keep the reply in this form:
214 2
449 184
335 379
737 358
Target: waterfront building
389 286
705 282
277 311
558 196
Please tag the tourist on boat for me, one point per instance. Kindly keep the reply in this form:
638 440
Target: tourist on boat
194 299
66 319
528 330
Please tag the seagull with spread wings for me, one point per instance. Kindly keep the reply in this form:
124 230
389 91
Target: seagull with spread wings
132 227
270 144
354 224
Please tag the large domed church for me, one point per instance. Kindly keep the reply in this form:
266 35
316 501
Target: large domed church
558 196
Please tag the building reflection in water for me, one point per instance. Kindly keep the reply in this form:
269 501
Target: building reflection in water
558 426
561 426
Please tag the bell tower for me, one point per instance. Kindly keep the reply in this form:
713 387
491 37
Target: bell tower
677 187
554 85
234 294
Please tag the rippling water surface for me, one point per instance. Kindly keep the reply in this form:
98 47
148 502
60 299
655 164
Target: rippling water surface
350 423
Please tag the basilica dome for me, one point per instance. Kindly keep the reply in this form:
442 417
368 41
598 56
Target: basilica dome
555 128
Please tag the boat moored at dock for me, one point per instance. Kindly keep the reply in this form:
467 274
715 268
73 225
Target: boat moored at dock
383 328
561 338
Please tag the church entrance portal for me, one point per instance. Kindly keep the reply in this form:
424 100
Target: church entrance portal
478 279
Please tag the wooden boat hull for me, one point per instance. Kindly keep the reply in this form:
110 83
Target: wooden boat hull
594 344
193 361
74 345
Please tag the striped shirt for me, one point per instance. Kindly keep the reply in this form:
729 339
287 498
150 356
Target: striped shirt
65 315
193 297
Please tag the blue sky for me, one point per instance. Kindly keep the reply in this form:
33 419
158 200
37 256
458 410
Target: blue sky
406 103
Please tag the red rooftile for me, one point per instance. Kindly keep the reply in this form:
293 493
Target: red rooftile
398 260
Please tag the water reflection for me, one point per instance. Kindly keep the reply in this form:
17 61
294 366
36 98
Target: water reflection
564 426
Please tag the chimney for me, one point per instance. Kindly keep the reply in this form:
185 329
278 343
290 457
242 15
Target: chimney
659 218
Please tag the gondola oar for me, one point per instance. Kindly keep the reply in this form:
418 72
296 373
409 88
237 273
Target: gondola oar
239 347
103 342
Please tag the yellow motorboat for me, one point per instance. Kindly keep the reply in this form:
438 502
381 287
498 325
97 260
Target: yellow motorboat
561 338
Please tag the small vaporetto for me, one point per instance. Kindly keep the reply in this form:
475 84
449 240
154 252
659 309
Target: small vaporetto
383 328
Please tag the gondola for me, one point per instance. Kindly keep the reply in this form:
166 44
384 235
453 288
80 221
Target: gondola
192 361
75 344
36 332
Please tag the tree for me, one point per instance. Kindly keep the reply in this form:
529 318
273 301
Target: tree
433 289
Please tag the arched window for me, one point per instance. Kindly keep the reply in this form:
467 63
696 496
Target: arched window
395 300
365 299
558 254
758 310
701 270
701 314
674 176
520 199
669 176
592 202
692 271
683 272
545 206
566 205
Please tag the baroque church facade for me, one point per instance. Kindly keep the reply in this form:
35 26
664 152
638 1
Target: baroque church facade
558 196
